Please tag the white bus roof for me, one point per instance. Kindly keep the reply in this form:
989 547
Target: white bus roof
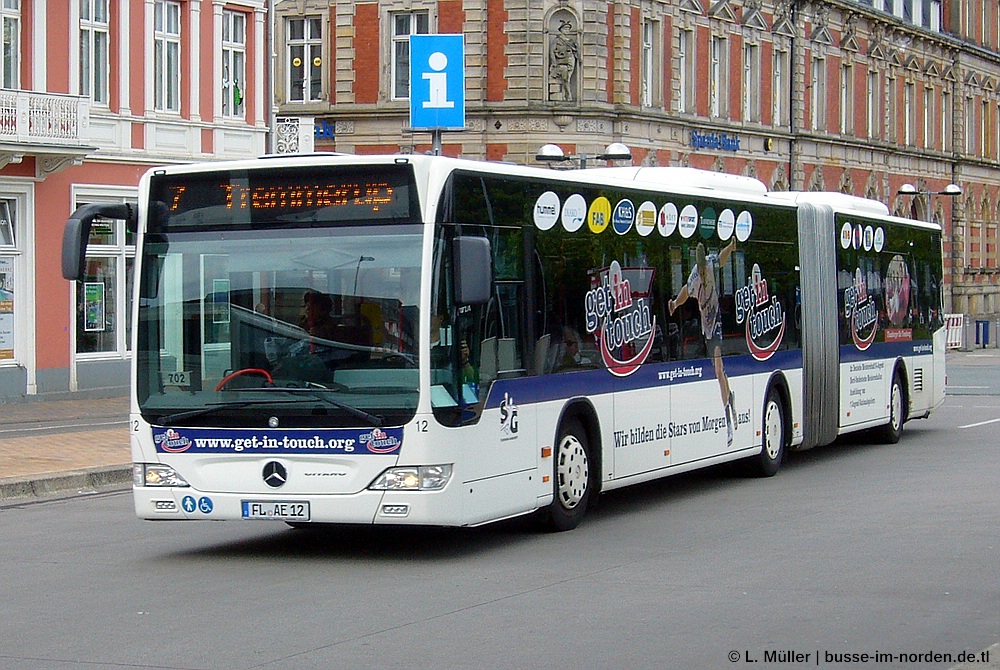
683 178
842 202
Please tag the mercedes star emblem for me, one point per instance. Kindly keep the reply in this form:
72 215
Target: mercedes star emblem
275 474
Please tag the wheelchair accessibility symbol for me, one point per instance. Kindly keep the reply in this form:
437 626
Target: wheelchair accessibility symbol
203 505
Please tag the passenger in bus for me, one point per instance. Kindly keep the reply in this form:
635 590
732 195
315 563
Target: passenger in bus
702 285
317 318
326 330
570 351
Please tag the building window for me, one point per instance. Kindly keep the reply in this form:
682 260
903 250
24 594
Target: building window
909 113
404 25
846 99
996 131
685 75
234 58
928 117
716 77
94 64
103 316
167 56
926 13
932 16
818 94
946 112
891 129
305 59
9 254
970 125
779 89
985 124
650 89
751 83
10 15
874 110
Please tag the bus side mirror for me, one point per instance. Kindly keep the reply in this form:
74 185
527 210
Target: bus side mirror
473 270
77 233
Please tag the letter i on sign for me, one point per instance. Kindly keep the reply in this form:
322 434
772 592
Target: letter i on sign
437 82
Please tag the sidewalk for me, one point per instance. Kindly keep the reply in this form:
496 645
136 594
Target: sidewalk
53 447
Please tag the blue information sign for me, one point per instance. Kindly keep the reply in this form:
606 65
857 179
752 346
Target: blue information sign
437 81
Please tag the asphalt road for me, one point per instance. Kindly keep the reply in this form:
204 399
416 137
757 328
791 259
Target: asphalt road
851 549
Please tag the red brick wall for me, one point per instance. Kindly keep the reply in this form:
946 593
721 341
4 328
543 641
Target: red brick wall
496 56
366 61
451 18
496 152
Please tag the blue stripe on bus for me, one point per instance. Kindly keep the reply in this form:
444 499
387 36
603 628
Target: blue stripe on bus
850 354
569 384
543 388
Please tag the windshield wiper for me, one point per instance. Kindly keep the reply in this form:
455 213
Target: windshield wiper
319 393
215 407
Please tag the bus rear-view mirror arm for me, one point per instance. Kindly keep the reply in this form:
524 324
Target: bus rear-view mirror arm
77 233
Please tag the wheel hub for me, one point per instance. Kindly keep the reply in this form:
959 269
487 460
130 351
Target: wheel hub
572 472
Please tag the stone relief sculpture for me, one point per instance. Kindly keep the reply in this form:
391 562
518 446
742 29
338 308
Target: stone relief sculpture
564 53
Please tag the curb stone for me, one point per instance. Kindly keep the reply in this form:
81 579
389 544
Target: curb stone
90 480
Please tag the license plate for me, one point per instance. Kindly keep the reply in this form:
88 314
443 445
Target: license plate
276 509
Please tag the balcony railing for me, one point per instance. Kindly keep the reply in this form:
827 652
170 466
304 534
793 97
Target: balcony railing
43 118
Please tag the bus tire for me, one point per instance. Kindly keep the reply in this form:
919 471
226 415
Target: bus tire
891 432
571 478
772 437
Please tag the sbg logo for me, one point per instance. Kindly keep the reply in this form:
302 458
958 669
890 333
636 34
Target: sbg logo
508 416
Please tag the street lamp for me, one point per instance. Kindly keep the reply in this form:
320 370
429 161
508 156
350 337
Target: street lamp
911 190
552 153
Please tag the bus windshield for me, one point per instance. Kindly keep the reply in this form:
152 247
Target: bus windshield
292 327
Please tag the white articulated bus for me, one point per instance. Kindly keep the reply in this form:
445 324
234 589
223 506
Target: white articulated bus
425 340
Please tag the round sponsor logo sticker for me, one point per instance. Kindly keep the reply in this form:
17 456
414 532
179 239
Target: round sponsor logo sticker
574 211
859 234
546 210
744 226
623 216
666 220
879 240
599 215
869 238
727 223
688 221
645 218
845 236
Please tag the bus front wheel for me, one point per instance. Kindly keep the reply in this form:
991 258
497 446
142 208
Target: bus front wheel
571 478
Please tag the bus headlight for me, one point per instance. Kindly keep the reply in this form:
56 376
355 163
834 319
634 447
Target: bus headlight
156 474
413 478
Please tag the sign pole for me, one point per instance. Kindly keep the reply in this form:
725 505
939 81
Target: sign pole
436 141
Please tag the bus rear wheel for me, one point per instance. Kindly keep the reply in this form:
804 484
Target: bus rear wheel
772 449
892 431
571 478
